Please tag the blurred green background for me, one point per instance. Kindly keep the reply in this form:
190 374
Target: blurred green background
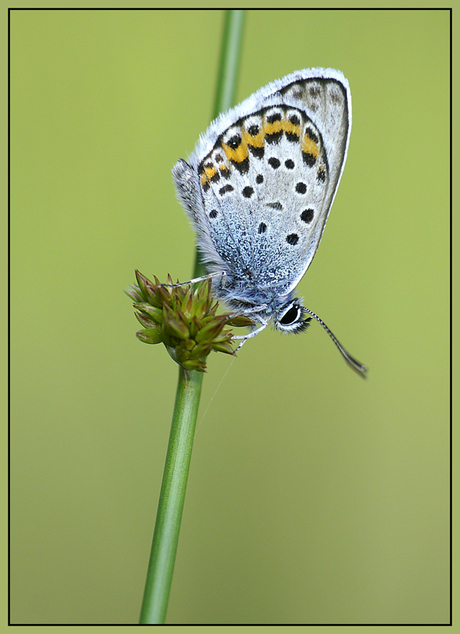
314 496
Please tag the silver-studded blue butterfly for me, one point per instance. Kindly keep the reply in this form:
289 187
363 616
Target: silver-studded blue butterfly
258 189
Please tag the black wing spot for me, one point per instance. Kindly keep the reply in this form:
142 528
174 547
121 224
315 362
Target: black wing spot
292 238
307 215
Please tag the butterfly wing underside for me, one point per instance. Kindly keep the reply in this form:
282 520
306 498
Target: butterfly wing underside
261 182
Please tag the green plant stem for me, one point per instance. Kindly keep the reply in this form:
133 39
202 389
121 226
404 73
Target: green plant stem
172 496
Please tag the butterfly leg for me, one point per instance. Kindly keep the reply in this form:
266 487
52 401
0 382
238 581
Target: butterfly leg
195 280
250 335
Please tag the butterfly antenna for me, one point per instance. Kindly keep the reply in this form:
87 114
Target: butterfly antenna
361 369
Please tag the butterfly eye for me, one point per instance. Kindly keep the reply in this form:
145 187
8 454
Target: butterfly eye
292 320
291 317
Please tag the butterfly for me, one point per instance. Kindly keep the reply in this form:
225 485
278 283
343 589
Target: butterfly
258 189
